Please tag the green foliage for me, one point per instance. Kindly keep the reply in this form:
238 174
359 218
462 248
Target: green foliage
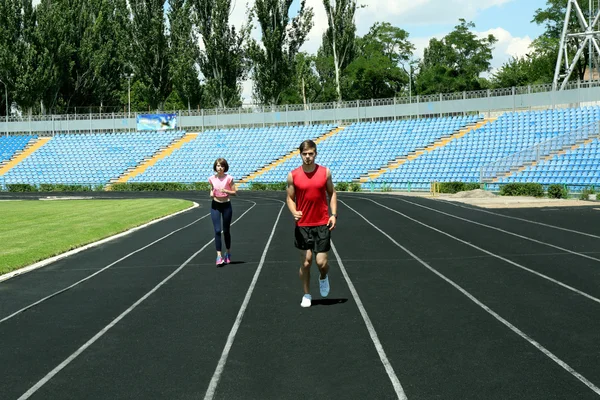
273 62
184 56
522 189
455 187
150 56
355 187
386 187
585 192
223 61
558 192
553 18
200 186
257 186
342 186
339 38
276 186
158 187
20 187
454 63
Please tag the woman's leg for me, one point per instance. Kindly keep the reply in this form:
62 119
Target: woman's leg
215 215
227 216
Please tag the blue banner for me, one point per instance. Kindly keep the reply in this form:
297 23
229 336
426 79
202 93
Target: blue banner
156 122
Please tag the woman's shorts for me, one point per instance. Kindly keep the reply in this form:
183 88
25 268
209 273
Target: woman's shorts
315 238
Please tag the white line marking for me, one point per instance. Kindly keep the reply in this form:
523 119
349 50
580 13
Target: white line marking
212 387
382 356
513 328
50 260
564 285
97 272
97 336
521 219
501 230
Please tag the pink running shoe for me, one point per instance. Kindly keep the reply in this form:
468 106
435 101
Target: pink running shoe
220 261
227 258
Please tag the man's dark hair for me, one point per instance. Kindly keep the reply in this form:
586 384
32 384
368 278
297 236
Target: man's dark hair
307 144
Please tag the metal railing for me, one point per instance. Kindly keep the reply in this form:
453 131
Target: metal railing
535 153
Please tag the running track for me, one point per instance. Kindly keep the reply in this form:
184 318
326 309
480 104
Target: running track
429 300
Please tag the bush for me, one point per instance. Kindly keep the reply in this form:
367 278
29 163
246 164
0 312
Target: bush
277 186
20 187
386 187
151 187
355 187
341 186
455 187
522 189
557 192
585 192
200 186
257 186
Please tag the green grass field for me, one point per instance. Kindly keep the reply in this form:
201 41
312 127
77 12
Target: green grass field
31 231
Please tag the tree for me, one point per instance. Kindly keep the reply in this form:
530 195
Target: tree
33 70
454 63
305 87
383 63
223 60
184 54
553 17
150 55
339 38
281 39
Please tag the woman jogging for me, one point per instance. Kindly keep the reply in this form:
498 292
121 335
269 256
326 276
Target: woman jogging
222 187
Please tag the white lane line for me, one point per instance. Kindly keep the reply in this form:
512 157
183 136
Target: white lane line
501 230
97 336
50 260
513 328
97 272
521 219
564 285
382 356
212 387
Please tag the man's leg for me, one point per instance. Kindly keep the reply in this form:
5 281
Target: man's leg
323 264
306 256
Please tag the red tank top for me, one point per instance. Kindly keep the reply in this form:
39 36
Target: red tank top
311 196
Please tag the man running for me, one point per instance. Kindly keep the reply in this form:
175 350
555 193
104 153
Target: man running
307 190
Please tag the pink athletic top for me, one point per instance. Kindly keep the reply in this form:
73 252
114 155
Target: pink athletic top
220 183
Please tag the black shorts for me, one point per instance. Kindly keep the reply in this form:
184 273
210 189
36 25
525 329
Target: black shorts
316 238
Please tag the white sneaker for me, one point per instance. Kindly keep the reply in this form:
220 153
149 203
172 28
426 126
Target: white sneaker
306 301
324 286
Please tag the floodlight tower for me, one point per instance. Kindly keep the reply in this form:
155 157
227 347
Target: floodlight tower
589 33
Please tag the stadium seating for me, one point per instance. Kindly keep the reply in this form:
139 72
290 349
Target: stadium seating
365 146
350 152
576 169
245 150
9 145
88 158
462 159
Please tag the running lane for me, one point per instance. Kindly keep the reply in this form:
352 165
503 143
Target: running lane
168 346
443 344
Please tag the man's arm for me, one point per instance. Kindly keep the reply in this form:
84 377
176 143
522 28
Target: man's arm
291 198
332 200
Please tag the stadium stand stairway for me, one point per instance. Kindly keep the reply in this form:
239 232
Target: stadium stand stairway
32 146
281 160
149 161
552 155
441 142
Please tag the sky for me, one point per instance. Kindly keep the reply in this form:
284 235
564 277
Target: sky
508 20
